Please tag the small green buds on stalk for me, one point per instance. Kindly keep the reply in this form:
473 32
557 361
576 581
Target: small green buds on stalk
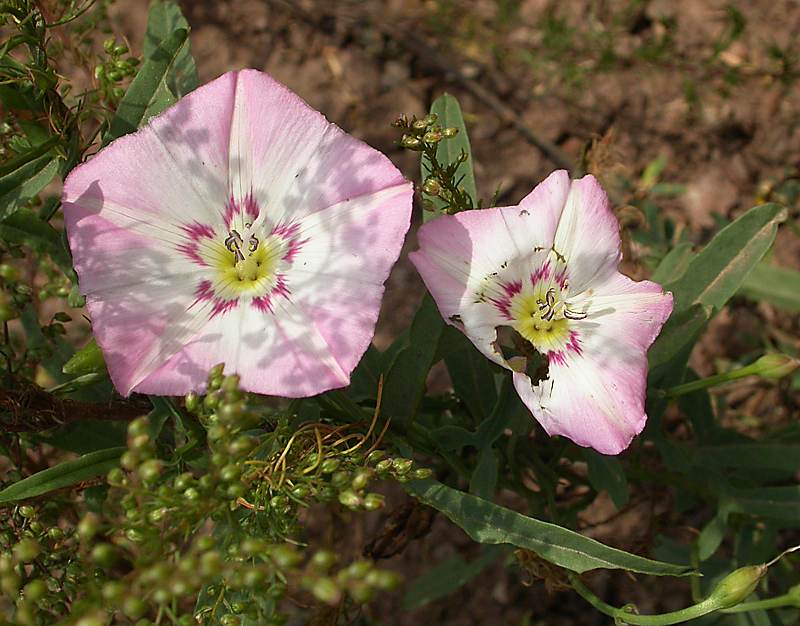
736 586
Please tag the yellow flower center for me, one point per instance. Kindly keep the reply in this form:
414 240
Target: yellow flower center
540 318
244 270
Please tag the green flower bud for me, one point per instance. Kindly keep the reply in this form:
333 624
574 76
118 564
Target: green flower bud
230 620
450 132
150 471
430 119
254 578
361 479
87 360
88 527
192 402
422 473
113 591
35 590
55 533
27 550
736 586
375 456
230 472
329 466
285 556
384 466
9 583
242 445
432 137
230 383
236 490
8 312
432 187
129 460
419 124
134 607
350 499
402 466
373 501
323 560
358 569
215 376
115 477
104 555
411 142
326 590
775 366
27 512
183 481
383 579
191 494
9 273
301 491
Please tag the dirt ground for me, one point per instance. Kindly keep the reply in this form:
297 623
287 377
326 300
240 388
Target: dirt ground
711 86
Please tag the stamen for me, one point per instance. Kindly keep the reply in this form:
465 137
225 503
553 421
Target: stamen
234 244
574 315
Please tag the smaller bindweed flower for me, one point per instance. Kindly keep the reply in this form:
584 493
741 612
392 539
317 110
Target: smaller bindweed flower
239 226
546 271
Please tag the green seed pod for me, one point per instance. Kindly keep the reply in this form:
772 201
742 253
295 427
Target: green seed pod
422 473
113 591
129 460
411 142
301 491
242 445
230 620
430 119
115 477
383 579
375 456
230 383
254 546
55 533
139 426
384 466
88 527
254 578
191 494
736 586
236 490
419 124
27 511
450 132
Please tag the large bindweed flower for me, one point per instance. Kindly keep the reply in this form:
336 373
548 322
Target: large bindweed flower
239 226
547 269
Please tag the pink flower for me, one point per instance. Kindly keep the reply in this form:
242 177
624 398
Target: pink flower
241 227
548 270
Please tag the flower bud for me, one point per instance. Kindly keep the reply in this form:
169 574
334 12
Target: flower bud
775 365
450 132
411 142
420 124
430 119
350 499
432 187
27 550
326 590
736 586
192 402
432 136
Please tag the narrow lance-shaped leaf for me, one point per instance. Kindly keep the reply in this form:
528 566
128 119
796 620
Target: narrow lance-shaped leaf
63 475
148 94
489 523
449 115
163 19
777 285
717 272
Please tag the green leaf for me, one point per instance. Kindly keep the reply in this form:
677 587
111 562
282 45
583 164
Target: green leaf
148 94
782 457
364 381
26 228
717 272
606 474
489 523
165 18
669 353
777 285
447 109
780 503
63 475
19 185
472 375
447 577
674 264
710 538
87 360
84 436
405 380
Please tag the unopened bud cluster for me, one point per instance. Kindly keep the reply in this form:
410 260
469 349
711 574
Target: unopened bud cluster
442 187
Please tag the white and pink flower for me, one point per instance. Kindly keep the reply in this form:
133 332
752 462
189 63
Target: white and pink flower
239 226
547 269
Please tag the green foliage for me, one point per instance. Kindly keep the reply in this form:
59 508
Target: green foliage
196 512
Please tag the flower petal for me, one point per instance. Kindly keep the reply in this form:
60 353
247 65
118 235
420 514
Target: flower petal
596 398
179 162
588 234
337 276
281 354
293 159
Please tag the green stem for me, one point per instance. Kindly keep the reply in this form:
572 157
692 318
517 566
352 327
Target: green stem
777 602
664 619
711 381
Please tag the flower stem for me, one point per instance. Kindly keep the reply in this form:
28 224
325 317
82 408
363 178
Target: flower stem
711 381
624 616
786 599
